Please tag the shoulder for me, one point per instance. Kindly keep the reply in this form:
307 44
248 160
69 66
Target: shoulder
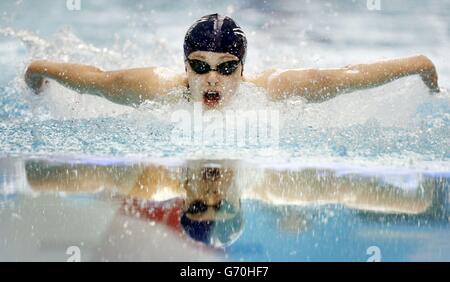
167 74
278 82
148 81
267 78
153 74
261 79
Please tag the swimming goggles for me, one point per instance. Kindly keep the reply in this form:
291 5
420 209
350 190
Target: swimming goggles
226 68
198 207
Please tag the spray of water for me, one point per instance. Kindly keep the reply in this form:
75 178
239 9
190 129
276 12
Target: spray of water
398 121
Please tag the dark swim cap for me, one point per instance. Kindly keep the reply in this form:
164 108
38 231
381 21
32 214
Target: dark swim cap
217 233
216 33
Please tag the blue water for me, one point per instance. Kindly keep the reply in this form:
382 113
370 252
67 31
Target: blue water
401 216
344 236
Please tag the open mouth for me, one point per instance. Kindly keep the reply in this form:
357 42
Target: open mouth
211 98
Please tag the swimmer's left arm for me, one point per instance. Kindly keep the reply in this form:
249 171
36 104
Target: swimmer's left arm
318 85
364 193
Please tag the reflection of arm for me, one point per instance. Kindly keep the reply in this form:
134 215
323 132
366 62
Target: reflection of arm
134 181
313 187
75 178
153 179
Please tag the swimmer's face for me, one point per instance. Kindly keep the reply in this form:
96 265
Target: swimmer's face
210 194
213 89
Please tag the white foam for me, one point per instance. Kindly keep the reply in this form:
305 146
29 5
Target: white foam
63 103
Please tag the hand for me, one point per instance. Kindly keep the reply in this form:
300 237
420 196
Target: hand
429 76
34 79
431 80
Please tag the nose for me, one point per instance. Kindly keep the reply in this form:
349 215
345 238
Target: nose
212 78
213 200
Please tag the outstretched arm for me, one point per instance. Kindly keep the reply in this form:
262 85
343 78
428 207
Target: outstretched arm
46 176
127 87
317 85
369 193
137 180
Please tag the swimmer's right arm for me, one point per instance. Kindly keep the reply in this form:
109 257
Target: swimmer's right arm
126 87
79 178
138 181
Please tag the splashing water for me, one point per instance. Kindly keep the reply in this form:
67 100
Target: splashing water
398 123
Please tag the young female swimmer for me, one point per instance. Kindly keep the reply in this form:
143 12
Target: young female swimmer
214 53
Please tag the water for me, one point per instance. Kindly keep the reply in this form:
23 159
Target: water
396 128
120 209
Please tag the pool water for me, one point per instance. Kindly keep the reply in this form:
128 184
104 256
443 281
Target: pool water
396 135
120 209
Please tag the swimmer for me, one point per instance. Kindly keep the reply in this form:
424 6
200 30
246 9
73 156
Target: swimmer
204 202
214 53
203 197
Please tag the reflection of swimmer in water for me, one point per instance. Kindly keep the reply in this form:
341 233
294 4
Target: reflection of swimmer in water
202 199
214 53
211 210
